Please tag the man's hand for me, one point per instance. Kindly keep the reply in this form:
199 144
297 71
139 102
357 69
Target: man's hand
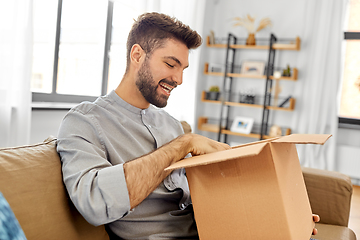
199 145
145 173
316 219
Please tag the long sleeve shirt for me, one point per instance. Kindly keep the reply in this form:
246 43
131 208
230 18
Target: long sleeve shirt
94 141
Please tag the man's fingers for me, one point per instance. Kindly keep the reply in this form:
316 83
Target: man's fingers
217 146
316 218
202 145
223 146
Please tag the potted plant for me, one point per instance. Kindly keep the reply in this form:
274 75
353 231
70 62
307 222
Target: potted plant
287 71
213 93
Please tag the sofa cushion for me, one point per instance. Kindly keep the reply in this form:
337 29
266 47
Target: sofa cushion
333 232
329 194
31 182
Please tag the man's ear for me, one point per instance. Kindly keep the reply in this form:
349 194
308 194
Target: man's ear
137 55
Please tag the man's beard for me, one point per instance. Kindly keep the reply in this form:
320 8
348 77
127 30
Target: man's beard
148 88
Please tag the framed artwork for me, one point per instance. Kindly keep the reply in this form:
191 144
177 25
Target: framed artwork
253 68
242 125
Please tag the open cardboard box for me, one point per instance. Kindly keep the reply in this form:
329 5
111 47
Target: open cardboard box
252 191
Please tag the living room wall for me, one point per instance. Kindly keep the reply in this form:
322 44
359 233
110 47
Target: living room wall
288 18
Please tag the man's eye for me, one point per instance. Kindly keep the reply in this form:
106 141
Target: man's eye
169 65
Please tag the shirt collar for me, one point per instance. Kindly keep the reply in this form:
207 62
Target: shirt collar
127 105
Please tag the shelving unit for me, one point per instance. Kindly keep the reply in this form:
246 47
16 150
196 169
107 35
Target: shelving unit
222 127
204 125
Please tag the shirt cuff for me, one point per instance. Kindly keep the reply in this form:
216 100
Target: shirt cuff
114 190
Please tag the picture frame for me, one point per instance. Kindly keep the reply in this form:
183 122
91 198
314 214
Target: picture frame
255 68
242 125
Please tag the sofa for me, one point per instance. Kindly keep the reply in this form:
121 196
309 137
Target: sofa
31 182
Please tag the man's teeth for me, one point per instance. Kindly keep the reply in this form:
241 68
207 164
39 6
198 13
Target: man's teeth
166 88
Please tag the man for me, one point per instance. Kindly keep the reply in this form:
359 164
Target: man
114 150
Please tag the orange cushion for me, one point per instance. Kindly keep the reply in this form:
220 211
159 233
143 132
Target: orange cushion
31 182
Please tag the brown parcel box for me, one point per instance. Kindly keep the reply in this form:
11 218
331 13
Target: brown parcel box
253 191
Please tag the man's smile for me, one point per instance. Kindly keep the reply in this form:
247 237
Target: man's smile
166 87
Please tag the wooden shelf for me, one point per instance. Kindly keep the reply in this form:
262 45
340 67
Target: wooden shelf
235 104
239 75
206 71
203 125
294 45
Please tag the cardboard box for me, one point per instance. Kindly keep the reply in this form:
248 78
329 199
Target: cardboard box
252 191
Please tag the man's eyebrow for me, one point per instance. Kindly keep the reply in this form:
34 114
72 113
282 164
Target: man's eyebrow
176 60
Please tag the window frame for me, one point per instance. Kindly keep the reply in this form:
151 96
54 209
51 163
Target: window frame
55 97
350 122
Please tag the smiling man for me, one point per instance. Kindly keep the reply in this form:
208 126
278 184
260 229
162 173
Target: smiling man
155 73
114 150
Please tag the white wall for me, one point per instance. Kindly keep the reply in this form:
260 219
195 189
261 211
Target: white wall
45 123
348 153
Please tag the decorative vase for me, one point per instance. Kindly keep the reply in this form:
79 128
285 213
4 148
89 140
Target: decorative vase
251 39
213 96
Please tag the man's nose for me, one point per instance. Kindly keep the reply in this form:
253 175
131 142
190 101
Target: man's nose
178 77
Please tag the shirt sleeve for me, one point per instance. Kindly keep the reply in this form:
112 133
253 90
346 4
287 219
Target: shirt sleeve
96 187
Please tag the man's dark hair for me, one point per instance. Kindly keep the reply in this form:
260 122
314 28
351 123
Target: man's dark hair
151 30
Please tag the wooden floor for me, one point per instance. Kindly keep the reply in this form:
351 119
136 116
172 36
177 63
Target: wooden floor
354 222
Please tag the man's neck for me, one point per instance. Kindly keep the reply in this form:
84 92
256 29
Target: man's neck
128 91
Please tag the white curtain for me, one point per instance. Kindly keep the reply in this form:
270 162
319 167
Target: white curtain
321 57
181 104
15 71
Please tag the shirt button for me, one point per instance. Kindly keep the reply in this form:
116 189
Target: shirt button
143 112
149 126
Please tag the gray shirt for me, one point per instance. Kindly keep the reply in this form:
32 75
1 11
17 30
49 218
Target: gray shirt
94 141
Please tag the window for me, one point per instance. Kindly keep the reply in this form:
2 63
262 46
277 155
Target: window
44 45
79 48
350 91
120 28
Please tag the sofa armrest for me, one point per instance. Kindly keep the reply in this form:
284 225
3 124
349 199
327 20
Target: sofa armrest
329 195
31 181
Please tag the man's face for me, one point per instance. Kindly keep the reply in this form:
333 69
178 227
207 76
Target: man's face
162 72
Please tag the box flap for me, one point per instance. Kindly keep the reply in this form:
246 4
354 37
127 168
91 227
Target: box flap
257 142
304 139
220 156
